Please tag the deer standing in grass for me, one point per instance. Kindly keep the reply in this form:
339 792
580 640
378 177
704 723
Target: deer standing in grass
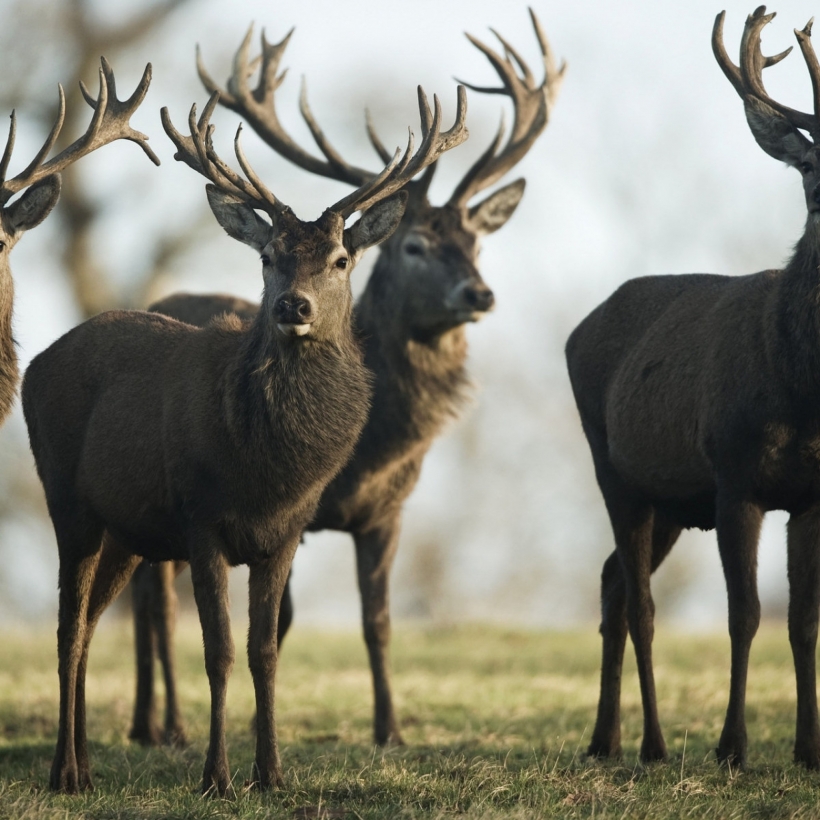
424 287
700 398
155 439
40 184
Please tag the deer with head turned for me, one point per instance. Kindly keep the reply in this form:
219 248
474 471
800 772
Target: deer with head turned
699 395
40 184
424 288
155 439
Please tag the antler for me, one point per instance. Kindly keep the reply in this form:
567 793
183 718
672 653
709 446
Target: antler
747 78
258 107
110 122
532 105
197 151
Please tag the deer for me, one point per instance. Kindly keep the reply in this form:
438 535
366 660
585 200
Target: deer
39 183
698 395
157 440
424 289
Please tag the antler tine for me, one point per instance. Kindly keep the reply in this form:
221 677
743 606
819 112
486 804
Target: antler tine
109 122
399 173
4 163
197 152
342 171
804 40
258 108
747 77
383 153
531 108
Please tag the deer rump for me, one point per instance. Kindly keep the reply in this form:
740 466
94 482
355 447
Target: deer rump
681 380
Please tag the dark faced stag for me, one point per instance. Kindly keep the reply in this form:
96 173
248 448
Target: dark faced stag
155 439
425 286
40 183
700 398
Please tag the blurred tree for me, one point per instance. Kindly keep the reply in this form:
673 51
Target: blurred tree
77 33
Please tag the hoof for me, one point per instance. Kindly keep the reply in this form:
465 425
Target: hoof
731 758
603 749
175 737
145 735
808 756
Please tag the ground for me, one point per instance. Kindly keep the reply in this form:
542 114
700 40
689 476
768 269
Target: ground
496 723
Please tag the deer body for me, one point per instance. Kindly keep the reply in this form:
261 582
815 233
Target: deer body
157 439
699 397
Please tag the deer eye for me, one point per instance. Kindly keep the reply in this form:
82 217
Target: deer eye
265 259
2 245
413 249
341 263
806 167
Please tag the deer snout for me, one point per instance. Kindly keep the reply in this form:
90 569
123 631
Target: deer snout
470 300
479 296
294 313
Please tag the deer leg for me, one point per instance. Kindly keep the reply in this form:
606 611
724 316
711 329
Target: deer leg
285 614
375 550
606 737
738 529
163 615
804 605
144 728
209 573
266 585
79 554
113 571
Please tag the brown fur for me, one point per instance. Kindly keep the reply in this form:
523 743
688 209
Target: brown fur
700 398
155 439
410 320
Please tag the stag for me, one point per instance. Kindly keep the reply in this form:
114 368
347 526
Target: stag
155 439
40 183
698 395
425 286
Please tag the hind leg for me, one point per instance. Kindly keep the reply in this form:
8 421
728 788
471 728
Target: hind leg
79 541
606 737
804 604
144 727
113 571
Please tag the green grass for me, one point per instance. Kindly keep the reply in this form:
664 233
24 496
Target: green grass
496 723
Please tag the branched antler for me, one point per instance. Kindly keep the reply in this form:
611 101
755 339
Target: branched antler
109 122
747 77
532 105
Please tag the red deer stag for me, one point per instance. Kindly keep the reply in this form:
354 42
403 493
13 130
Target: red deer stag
155 439
40 183
424 287
699 397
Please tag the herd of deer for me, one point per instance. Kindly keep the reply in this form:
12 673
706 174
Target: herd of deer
213 432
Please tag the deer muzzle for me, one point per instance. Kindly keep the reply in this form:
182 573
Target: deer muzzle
470 301
294 313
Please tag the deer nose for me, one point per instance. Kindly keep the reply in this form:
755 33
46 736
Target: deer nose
479 297
294 308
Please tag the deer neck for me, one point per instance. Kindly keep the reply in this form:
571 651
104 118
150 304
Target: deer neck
307 400
799 313
420 381
8 354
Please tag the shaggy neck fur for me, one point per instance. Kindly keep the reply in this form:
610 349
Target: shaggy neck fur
309 397
419 384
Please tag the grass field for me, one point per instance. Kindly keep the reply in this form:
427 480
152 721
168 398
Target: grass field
496 723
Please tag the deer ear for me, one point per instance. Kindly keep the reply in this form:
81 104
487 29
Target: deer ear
239 220
35 204
493 212
377 223
774 133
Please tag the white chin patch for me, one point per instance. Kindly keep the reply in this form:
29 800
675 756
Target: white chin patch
294 330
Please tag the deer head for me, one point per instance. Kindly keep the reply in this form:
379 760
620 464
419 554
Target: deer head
432 255
307 265
776 127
